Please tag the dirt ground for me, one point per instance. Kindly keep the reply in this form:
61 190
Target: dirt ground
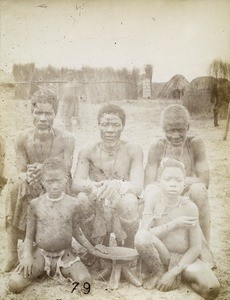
143 119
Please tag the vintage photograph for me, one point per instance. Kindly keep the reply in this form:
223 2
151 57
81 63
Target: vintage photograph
114 149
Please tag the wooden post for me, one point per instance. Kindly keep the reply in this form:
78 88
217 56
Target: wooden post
227 124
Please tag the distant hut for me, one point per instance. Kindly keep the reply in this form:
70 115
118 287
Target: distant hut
197 96
175 87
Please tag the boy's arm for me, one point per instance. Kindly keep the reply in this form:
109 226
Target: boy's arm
150 194
27 258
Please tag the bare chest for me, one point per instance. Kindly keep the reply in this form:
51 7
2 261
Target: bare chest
104 166
38 150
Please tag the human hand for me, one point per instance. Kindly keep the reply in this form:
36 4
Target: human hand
25 266
167 282
184 222
107 189
34 173
101 248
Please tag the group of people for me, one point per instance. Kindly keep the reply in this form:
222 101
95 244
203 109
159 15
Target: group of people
47 207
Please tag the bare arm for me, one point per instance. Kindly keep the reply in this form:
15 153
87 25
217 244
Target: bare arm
200 163
150 194
21 156
68 151
27 258
81 183
194 245
167 281
80 237
154 159
136 172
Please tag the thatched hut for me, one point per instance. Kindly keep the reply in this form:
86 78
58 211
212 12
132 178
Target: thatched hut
197 96
175 87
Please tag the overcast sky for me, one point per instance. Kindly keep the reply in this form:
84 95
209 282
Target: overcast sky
176 37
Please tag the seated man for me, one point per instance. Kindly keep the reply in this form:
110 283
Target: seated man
109 175
32 147
188 149
172 245
53 212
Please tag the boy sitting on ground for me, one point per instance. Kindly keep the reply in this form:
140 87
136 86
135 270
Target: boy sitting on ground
52 221
169 238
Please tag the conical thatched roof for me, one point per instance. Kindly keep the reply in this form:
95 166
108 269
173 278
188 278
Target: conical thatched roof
157 88
202 83
175 87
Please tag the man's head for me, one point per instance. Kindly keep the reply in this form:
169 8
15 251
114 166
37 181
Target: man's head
54 176
44 108
175 121
172 177
111 120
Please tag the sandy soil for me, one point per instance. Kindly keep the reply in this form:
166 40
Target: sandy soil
142 126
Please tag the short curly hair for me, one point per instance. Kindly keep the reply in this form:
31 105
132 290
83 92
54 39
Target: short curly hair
45 96
174 112
169 163
53 164
111 109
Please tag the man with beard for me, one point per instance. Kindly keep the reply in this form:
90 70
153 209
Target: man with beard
109 177
32 147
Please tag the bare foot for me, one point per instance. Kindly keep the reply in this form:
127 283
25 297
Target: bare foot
151 283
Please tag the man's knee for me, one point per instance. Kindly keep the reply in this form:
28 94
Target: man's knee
142 240
128 206
198 192
17 283
84 203
210 290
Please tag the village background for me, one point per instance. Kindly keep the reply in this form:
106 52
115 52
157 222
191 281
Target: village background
143 94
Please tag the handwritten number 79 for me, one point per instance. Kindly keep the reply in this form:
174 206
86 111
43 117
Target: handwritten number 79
86 287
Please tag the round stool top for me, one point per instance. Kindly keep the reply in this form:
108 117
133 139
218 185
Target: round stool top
119 253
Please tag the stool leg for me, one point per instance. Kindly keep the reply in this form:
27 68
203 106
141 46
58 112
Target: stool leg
115 275
131 277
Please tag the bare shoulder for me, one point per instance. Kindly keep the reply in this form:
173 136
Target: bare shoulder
196 142
89 149
133 148
157 145
23 135
64 134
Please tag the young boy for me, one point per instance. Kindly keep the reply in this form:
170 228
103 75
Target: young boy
169 238
52 221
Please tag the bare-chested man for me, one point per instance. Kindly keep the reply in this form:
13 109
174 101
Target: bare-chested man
52 221
109 175
169 238
32 147
190 150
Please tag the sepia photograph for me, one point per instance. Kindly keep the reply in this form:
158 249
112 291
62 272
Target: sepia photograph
114 149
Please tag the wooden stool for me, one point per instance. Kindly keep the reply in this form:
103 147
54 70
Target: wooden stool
120 257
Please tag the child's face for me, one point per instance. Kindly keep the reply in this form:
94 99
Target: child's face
54 183
172 181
